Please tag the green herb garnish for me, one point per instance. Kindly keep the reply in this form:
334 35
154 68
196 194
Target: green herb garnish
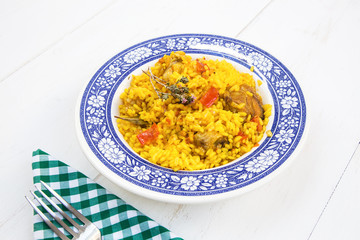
176 90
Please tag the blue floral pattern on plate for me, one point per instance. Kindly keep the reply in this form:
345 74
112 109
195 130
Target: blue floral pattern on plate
289 113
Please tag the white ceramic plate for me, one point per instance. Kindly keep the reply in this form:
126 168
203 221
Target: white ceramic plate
111 155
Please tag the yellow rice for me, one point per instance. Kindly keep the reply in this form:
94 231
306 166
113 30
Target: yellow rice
174 148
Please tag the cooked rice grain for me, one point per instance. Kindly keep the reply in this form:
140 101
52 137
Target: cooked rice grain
174 147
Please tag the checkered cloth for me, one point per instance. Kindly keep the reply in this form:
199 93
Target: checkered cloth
114 218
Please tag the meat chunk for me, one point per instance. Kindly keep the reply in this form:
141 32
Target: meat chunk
247 96
209 140
174 63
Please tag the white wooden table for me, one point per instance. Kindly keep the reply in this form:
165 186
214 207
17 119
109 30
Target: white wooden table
49 49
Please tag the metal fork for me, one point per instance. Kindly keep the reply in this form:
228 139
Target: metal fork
87 231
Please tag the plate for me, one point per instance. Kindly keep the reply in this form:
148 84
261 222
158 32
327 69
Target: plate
111 155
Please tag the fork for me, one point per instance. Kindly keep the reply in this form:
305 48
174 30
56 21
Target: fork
87 231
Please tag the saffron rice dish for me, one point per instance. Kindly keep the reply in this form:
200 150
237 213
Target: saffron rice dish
192 114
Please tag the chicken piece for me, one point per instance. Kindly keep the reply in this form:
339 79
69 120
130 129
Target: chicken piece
209 140
248 96
174 64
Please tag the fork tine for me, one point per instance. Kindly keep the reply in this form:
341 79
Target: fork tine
75 224
66 227
47 221
66 204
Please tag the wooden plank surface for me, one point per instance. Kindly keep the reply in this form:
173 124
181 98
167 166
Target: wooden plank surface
341 214
50 49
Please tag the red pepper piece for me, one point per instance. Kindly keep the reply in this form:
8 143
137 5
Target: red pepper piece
210 97
148 135
200 67
257 120
242 135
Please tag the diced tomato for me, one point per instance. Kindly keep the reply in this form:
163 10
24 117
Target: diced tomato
168 120
200 67
209 97
257 120
242 135
148 135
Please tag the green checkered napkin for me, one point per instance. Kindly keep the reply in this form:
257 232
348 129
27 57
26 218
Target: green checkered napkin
114 218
